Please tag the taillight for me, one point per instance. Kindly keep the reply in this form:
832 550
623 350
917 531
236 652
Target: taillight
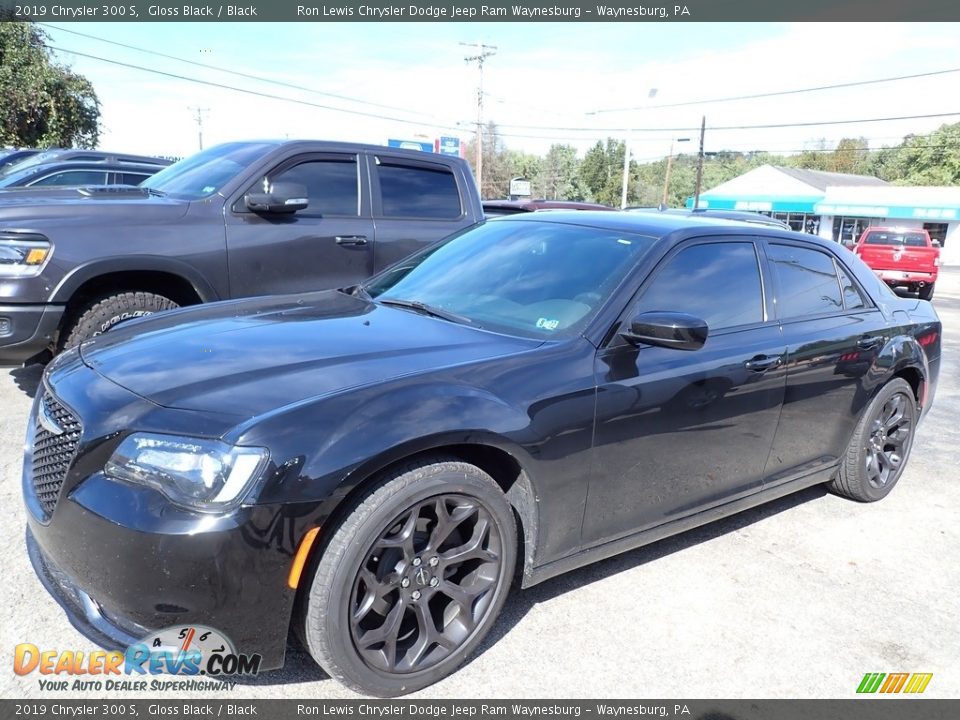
927 338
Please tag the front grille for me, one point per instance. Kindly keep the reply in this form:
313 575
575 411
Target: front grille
53 453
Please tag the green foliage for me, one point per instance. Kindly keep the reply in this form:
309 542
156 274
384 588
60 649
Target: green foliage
42 103
560 175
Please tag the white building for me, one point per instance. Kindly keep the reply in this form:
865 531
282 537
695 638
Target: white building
839 207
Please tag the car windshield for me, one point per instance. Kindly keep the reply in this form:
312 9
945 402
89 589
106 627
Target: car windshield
203 174
896 238
536 279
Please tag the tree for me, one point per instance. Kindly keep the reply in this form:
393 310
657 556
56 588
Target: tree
42 103
932 159
601 172
559 174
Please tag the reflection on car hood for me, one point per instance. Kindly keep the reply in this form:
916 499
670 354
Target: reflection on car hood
78 205
251 356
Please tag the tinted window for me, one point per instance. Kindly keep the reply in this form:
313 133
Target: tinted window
718 283
131 178
74 177
538 279
807 281
332 187
852 299
203 174
879 237
418 192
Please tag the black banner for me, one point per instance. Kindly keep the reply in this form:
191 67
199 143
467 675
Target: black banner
474 11
875 709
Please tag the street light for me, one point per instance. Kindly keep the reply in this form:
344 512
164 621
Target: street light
626 153
666 178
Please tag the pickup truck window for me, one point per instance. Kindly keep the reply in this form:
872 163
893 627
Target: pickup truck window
888 238
333 187
418 192
203 174
72 177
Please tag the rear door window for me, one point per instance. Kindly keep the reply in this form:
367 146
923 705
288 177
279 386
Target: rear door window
807 281
417 191
73 177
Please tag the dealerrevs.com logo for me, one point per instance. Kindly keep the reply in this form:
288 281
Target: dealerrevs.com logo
191 650
892 683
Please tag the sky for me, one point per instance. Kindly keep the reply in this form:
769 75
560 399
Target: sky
543 75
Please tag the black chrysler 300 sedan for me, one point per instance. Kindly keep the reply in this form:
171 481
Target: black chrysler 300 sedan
371 466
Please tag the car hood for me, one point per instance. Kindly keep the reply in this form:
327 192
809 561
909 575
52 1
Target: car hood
248 357
83 205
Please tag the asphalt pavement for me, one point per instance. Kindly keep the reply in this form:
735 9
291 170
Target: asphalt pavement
798 598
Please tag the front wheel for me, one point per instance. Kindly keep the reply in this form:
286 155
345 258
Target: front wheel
880 446
926 292
412 579
108 311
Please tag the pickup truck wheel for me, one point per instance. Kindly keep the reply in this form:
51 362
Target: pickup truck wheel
412 579
880 446
926 292
107 312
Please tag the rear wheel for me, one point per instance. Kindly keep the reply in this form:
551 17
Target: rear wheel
926 292
880 446
108 311
412 579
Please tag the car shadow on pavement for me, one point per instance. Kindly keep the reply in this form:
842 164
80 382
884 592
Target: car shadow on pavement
299 667
27 379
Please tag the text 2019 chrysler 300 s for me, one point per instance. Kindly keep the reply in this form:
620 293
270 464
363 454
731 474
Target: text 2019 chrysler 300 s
370 466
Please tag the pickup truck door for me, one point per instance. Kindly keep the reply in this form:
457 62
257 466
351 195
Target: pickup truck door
415 203
329 244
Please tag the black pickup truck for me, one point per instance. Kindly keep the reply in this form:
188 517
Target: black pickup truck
239 219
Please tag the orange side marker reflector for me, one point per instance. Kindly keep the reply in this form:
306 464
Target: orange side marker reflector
303 552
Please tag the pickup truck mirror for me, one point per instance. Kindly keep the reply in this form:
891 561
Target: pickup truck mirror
284 197
667 329
936 243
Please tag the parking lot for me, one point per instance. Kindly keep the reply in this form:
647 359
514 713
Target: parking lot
798 598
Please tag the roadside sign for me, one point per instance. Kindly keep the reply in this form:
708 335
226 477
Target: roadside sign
411 145
448 145
519 186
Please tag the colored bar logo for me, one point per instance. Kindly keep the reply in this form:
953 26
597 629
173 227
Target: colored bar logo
912 683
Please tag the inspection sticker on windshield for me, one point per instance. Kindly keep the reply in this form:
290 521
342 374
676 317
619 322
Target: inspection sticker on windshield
547 324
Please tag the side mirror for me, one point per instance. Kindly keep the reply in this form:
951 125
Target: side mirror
667 329
936 243
283 197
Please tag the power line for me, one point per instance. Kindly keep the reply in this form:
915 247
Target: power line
776 93
247 91
237 73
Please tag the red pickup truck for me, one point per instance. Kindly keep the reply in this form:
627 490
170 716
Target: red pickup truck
901 257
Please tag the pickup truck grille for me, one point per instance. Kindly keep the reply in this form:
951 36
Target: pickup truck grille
53 452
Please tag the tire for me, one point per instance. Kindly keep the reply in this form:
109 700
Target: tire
389 650
109 311
926 292
866 472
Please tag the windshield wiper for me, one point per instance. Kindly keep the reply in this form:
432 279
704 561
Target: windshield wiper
426 309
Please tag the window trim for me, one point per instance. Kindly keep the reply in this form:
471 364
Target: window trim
612 339
775 283
238 207
377 159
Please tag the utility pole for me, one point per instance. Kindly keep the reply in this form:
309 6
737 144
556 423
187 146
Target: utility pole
666 177
626 160
199 118
483 52
696 196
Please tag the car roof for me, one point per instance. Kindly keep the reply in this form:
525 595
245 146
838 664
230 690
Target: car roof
661 225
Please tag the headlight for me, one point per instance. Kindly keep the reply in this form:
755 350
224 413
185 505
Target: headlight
205 475
23 255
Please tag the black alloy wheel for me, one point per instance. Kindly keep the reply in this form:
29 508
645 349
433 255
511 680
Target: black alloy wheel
426 584
890 434
880 446
411 578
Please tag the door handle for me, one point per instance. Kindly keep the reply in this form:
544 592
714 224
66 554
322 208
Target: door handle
351 239
869 341
762 363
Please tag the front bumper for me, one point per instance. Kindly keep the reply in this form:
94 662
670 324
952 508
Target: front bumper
26 331
123 561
